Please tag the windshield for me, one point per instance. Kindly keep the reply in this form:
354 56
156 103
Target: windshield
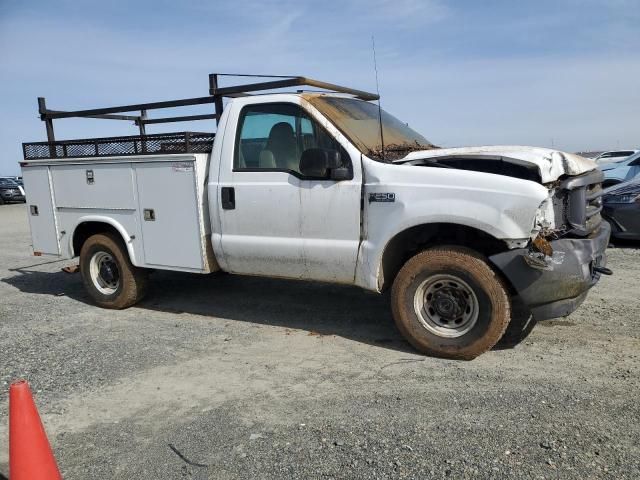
8 182
360 122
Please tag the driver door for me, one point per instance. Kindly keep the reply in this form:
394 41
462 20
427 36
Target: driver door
278 221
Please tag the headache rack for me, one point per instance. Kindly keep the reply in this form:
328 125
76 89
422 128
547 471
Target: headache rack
182 142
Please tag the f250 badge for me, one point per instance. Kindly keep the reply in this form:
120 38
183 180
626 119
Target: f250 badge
382 197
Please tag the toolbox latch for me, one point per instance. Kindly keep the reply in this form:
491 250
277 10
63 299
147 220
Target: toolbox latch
149 215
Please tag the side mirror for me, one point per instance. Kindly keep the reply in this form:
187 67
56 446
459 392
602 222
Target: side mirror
320 162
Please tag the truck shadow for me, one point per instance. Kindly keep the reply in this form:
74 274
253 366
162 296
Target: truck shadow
321 309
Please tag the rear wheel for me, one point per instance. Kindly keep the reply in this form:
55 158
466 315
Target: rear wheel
448 302
108 274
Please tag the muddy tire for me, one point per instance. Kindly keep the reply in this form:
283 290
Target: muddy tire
448 302
108 275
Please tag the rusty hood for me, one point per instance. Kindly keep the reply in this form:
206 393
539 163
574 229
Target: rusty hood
551 164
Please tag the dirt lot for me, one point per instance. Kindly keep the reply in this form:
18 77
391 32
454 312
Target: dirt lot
258 378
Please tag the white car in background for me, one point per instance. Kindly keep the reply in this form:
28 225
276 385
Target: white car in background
613 156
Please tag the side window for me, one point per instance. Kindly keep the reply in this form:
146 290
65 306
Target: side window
273 137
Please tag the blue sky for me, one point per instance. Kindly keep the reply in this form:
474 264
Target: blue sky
546 72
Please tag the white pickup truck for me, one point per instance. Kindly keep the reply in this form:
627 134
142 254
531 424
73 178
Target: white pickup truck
324 186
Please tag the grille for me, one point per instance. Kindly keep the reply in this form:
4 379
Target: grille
584 202
182 142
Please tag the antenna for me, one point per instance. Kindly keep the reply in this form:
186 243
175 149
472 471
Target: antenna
375 68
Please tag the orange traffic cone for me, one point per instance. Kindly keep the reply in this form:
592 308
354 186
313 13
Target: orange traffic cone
30 455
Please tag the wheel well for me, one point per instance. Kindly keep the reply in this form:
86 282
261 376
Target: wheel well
87 229
409 242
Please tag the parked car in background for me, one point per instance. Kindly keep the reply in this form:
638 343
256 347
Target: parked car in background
614 156
621 208
621 171
10 191
18 180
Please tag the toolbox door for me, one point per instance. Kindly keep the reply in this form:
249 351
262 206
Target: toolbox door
168 208
42 219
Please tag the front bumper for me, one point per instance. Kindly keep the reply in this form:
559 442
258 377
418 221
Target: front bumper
560 289
13 197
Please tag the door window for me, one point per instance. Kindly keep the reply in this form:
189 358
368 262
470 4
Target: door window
273 137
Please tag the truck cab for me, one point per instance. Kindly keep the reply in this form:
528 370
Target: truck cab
326 186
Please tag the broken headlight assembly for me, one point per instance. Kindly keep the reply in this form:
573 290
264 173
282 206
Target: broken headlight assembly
540 252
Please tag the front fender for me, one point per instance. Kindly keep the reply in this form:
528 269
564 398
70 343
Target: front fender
503 207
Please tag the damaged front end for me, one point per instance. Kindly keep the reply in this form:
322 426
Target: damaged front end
572 210
566 254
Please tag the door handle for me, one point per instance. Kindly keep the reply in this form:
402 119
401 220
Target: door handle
228 198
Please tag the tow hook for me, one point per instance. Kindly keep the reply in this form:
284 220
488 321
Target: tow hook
603 270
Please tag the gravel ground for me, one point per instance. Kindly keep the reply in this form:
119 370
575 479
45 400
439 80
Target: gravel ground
229 377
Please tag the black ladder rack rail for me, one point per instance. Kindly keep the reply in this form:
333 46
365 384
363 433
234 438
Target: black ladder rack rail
155 144
143 143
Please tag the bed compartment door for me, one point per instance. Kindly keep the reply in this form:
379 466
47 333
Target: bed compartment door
168 209
42 219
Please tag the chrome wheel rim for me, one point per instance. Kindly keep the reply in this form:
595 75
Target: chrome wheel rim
104 273
446 305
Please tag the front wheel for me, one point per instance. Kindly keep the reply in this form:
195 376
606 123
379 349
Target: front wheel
448 302
108 274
